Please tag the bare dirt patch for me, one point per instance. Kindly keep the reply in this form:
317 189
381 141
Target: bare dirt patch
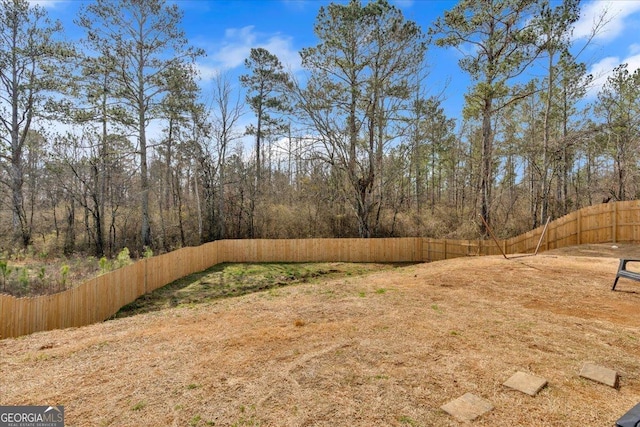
387 348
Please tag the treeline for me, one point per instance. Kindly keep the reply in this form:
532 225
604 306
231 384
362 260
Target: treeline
353 146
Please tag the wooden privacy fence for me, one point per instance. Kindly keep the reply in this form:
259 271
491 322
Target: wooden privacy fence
99 298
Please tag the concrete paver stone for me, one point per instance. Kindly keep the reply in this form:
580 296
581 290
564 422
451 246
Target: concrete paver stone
467 407
526 383
600 374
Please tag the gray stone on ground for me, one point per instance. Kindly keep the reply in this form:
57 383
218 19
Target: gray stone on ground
526 383
467 407
600 374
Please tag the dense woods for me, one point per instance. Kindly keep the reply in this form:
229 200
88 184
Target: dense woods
108 142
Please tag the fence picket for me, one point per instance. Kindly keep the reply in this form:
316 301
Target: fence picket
99 298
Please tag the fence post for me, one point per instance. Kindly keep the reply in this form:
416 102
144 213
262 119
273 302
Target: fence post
146 289
614 223
546 240
20 316
579 226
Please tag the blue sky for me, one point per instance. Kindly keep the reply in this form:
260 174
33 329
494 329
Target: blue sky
227 30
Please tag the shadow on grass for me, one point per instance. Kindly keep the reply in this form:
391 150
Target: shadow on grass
232 280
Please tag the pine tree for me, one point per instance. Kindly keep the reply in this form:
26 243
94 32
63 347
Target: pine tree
32 61
145 39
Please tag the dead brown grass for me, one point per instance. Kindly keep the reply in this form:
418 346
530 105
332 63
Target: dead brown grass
386 349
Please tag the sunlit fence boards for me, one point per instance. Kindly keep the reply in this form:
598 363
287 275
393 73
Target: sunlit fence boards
101 297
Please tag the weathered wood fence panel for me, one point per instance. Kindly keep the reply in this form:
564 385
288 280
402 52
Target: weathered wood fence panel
101 297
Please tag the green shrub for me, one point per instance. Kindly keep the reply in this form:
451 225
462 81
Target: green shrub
123 258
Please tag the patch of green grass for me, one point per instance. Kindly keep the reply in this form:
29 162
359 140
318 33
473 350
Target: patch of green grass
526 326
139 406
362 294
195 420
41 357
190 305
232 280
245 419
100 345
406 420
251 421
381 291
193 386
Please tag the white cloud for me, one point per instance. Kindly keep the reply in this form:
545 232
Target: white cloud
613 14
633 62
604 68
231 52
235 47
282 47
207 72
634 48
47 3
600 71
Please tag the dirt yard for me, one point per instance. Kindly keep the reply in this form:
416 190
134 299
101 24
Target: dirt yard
384 349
